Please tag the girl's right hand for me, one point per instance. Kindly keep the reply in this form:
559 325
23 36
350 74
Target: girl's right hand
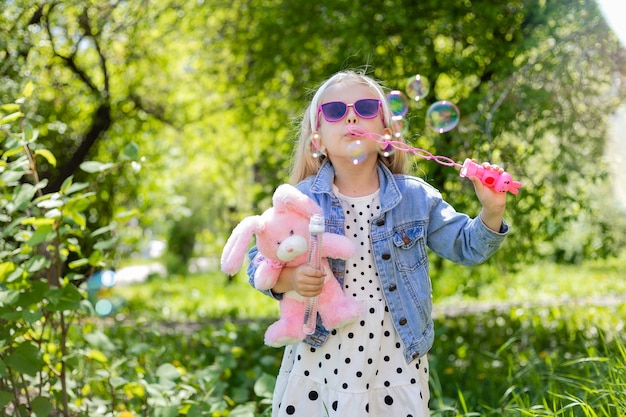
303 279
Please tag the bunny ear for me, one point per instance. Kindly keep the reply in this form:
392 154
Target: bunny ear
288 198
237 244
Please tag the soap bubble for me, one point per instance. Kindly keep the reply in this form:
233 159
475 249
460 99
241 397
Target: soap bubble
417 87
400 128
398 103
356 152
442 116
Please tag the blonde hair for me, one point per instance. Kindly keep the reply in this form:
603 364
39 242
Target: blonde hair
304 164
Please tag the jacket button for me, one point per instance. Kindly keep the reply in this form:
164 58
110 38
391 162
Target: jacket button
392 287
402 321
380 222
386 256
416 355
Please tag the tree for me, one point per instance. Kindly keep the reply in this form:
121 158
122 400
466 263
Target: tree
211 94
104 76
534 82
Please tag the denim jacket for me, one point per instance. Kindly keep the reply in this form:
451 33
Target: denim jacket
413 217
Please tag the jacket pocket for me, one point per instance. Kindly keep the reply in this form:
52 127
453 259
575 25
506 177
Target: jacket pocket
410 247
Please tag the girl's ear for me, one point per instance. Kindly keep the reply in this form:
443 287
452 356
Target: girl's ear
237 244
317 147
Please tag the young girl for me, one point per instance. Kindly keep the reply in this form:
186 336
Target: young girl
378 365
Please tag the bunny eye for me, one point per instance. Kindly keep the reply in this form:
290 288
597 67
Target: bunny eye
291 233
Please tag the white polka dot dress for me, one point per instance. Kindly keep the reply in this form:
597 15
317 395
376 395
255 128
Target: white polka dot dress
361 369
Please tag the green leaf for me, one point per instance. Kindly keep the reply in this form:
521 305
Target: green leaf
102 230
30 134
50 203
242 410
47 155
11 117
29 88
41 234
78 263
54 214
78 203
10 107
168 371
9 297
264 386
66 184
36 263
126 215
106 244
131 152
25 359
5 269
79 186
97 355
95 167
95 258
192 410
118 381
37 221
139 349
17 274
65 298
41 406
78 218
5 397
11 177
99 340
166 411
23 195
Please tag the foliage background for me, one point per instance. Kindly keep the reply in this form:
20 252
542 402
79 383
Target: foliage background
211 93
191 109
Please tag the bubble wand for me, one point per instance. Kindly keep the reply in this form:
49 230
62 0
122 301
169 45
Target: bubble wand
498 181
442 116
316 231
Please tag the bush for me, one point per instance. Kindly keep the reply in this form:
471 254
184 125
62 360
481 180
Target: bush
47 253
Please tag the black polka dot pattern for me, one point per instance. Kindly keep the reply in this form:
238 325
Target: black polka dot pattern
361 369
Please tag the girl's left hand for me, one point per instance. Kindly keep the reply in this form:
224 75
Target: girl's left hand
493 202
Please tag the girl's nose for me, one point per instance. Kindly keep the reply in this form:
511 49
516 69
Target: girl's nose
351 117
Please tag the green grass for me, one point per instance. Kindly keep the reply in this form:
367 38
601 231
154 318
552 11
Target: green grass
212 295
545 344
541 281
196 297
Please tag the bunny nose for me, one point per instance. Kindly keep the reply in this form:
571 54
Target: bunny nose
291 248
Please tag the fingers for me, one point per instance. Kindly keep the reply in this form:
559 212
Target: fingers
309 282
493 167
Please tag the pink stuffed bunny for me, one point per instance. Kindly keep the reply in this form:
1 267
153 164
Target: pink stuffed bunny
282 237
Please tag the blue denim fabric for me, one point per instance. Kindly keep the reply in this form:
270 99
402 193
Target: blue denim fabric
413 217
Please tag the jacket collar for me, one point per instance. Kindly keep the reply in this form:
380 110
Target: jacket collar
390 194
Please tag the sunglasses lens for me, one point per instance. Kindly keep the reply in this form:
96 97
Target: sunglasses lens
334 110
367 108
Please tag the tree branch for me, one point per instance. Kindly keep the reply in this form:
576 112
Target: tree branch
101 119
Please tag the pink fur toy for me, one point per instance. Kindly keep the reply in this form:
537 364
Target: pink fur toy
282 238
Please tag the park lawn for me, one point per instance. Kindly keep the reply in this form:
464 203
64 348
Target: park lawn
547 340
212 295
